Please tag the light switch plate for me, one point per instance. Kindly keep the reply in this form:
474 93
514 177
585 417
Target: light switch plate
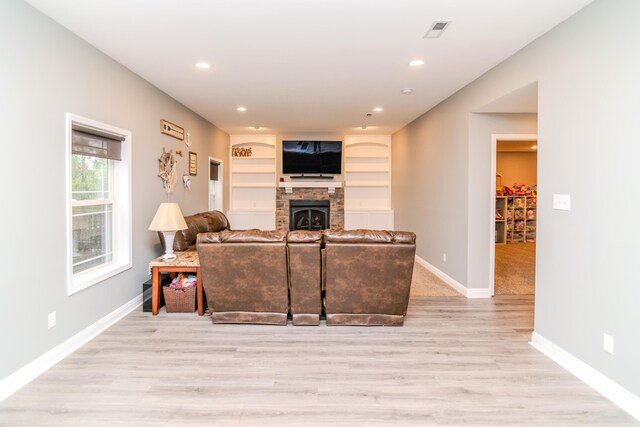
51 319
607 344
562 202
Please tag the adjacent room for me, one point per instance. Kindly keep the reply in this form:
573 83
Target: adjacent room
359 213
516 203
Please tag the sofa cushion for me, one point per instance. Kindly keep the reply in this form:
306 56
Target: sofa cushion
198 223
243 236
184 238
405 237
358 236
303 236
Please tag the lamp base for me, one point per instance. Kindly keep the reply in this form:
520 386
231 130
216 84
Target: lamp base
168 245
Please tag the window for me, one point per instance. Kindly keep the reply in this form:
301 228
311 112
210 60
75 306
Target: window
100 208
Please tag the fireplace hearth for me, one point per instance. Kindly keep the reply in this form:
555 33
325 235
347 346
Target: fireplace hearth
311 215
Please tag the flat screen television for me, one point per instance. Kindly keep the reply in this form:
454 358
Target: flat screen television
312 157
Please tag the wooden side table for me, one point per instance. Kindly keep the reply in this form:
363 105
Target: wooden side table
185 262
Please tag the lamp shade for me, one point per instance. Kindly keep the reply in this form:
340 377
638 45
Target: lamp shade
168 218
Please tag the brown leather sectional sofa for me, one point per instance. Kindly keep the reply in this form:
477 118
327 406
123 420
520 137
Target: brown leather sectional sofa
203 222
359 277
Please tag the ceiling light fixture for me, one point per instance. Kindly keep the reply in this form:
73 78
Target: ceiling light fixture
203 65
242 109
534 147
416 63
407 91
378 109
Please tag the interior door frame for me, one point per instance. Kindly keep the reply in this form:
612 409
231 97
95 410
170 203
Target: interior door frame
492 214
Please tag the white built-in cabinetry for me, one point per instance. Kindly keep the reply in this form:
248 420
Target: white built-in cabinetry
252 199
367 177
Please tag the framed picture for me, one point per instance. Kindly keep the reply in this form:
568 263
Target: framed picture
172 130
193 163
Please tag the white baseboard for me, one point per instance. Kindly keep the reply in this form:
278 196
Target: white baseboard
613 391
37 367
467 292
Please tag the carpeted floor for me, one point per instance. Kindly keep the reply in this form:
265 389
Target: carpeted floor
515 272
426 284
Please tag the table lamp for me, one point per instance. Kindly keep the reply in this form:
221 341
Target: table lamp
168 220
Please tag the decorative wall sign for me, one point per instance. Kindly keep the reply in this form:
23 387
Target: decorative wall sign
193 163
172 130
241 152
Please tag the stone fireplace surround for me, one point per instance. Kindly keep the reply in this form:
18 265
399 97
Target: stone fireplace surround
336 205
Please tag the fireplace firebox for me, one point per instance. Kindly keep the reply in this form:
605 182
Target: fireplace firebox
309 215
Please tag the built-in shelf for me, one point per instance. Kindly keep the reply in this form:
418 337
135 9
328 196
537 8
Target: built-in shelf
367 168
254 171
367 184
253 185
369 156
367 200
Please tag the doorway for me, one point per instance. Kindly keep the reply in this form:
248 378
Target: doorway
514 166
215 184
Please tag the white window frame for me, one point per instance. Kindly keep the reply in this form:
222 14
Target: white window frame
121 209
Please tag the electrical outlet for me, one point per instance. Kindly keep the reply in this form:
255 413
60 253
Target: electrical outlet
607 343
444 257
51 319
562 202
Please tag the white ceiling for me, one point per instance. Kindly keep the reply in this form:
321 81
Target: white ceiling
308 65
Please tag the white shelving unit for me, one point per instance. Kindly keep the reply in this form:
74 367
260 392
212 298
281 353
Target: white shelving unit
516 219
367 178
253 183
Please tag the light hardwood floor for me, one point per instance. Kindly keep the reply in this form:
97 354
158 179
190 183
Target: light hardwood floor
456 361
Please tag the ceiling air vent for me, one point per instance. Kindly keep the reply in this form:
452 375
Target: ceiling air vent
437 28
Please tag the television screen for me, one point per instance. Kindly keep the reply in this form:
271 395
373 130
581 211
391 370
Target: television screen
312 157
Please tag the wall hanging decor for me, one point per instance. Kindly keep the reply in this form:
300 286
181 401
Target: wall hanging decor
179 153
241 152
167 171
187 141
193 163
172 130
186 181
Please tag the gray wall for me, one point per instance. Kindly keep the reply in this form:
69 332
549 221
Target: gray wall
481 214
47 71
588 108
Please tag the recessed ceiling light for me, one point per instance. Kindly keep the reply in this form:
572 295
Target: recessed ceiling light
203 65
534 147
243 109
416 63
378 109
363 127
256 127
407 91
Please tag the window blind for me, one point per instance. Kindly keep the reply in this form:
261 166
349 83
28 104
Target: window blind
213 172
93 143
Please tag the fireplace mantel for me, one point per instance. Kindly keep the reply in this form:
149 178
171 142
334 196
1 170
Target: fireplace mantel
329 185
